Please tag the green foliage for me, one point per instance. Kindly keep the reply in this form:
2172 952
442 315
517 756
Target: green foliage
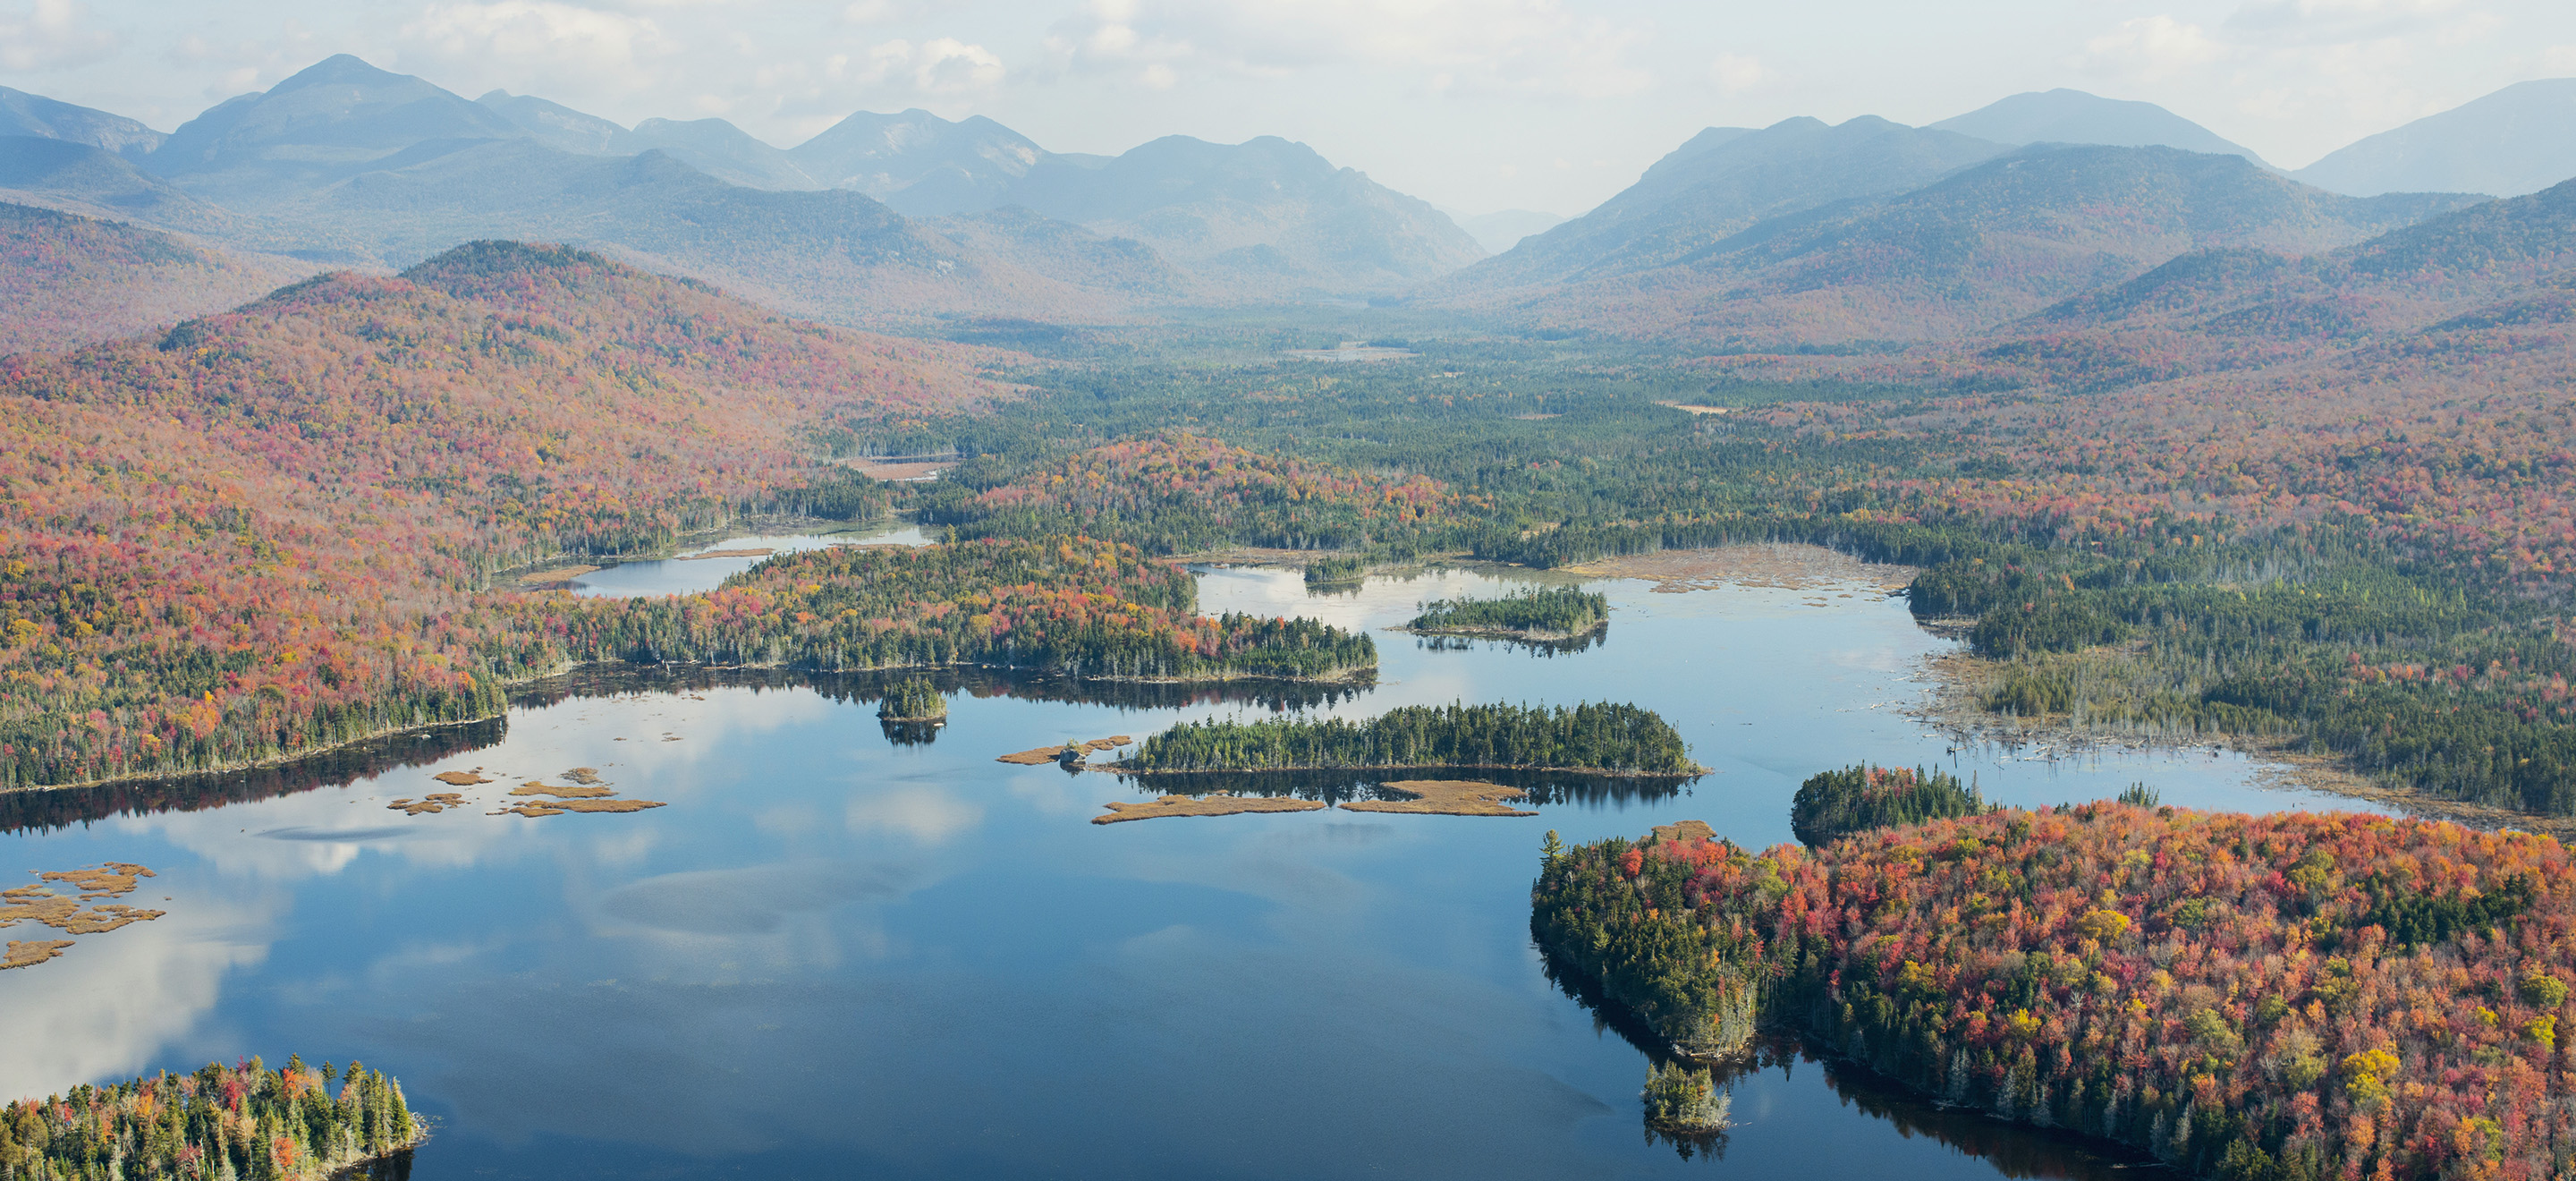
1834 804
1066 605
913 699
1683 1098
1553 610
1606 737
240 1121
1328 571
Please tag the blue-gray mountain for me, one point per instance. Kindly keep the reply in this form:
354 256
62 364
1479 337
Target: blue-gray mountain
2073 117
2520 139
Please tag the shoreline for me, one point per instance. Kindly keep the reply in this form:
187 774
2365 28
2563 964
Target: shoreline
1340 677
1124 769
1949 704
1534 635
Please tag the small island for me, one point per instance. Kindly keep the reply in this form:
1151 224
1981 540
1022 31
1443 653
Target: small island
1833 804
220 1121
914 699
1215 803
1604 739
1532 613
2286 996
1446 797
1338 570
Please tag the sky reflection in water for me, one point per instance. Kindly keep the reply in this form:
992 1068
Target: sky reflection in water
832 955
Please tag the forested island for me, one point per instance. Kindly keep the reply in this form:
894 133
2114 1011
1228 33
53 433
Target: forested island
1832 804
1534 613
2288 997
242 1121
913 699
1603 738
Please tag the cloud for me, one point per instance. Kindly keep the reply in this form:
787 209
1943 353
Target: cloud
1735 73
50 36
2152 49
2335 20
600 48
1478 46
923 814
2559 58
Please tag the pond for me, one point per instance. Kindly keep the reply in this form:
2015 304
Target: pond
836 954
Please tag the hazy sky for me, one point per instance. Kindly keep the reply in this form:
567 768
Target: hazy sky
1474 104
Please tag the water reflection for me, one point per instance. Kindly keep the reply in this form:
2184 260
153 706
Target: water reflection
49 808
2011 1149
836 952
1539 648
1336 786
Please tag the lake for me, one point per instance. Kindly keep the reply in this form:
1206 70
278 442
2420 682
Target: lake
836 954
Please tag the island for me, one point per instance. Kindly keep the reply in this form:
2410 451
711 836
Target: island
2285 996
1832 804
1071 606
219 1121
1215 803
1604 739
914 699
1532 613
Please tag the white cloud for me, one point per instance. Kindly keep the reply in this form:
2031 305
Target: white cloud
926 815
596 47
2559 58
2152 49
1736 73
51 36
2335 20
1520 46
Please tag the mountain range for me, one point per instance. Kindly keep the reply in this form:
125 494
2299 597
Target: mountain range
1857 234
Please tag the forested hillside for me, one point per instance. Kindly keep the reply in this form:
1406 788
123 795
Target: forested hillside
1175 492
1966 253
263 530
67 281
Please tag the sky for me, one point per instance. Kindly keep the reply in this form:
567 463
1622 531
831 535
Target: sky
1475 105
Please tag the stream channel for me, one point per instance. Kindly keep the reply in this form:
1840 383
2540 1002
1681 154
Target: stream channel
836 954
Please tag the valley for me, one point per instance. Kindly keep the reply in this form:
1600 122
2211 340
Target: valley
2125 568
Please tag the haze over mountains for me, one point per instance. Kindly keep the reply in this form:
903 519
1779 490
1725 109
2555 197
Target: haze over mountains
1866 233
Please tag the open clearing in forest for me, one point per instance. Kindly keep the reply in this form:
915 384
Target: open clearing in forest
1769 564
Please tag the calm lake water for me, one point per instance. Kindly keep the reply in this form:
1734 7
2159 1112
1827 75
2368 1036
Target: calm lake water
834 955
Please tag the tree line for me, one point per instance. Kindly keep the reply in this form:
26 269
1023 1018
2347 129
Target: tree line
2289 997
1587 737
242 1122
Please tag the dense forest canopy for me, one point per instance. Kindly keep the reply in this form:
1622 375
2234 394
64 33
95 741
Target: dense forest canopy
1588 737
1073 606
2257 998
1545 610
268 530
221 1121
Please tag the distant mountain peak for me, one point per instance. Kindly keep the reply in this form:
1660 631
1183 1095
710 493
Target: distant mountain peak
2076 117
339 68
2517 140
